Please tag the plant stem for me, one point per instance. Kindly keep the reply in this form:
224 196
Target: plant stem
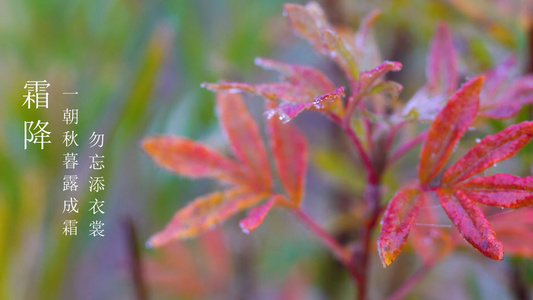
406 147
415 278
338 251
372 197
363 155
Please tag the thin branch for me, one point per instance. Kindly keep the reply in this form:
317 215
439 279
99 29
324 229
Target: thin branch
406 147
416 277
338 251
363 155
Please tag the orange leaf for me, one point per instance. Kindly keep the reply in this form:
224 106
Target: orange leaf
188 158
243 135
488 151
203 213
447 128
399 216
289 149
471 222
257 214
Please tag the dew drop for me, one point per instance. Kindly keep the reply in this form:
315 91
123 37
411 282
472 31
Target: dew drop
478 140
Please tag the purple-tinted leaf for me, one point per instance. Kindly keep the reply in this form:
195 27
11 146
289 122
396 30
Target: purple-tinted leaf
441 68
299 75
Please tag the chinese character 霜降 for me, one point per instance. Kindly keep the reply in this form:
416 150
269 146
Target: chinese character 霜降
36 94
36 134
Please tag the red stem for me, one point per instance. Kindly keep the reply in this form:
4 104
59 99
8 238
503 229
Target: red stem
415 278
338 251
406 147
365 159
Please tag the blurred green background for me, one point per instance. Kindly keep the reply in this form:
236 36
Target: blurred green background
137 66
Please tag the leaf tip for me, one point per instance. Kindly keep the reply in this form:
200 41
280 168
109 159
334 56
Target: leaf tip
385 255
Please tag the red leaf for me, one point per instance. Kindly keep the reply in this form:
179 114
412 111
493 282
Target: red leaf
241 130
488 151
515 231
471 222
441 68
299 75
447 128
276 91
203 213
502 190
187 158
399 216
257 214
368 78
289 148
327 102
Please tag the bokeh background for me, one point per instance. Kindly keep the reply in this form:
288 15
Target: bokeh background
137 66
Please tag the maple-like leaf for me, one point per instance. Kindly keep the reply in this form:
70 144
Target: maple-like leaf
503 95
441 74
457 191
248 175
304 87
